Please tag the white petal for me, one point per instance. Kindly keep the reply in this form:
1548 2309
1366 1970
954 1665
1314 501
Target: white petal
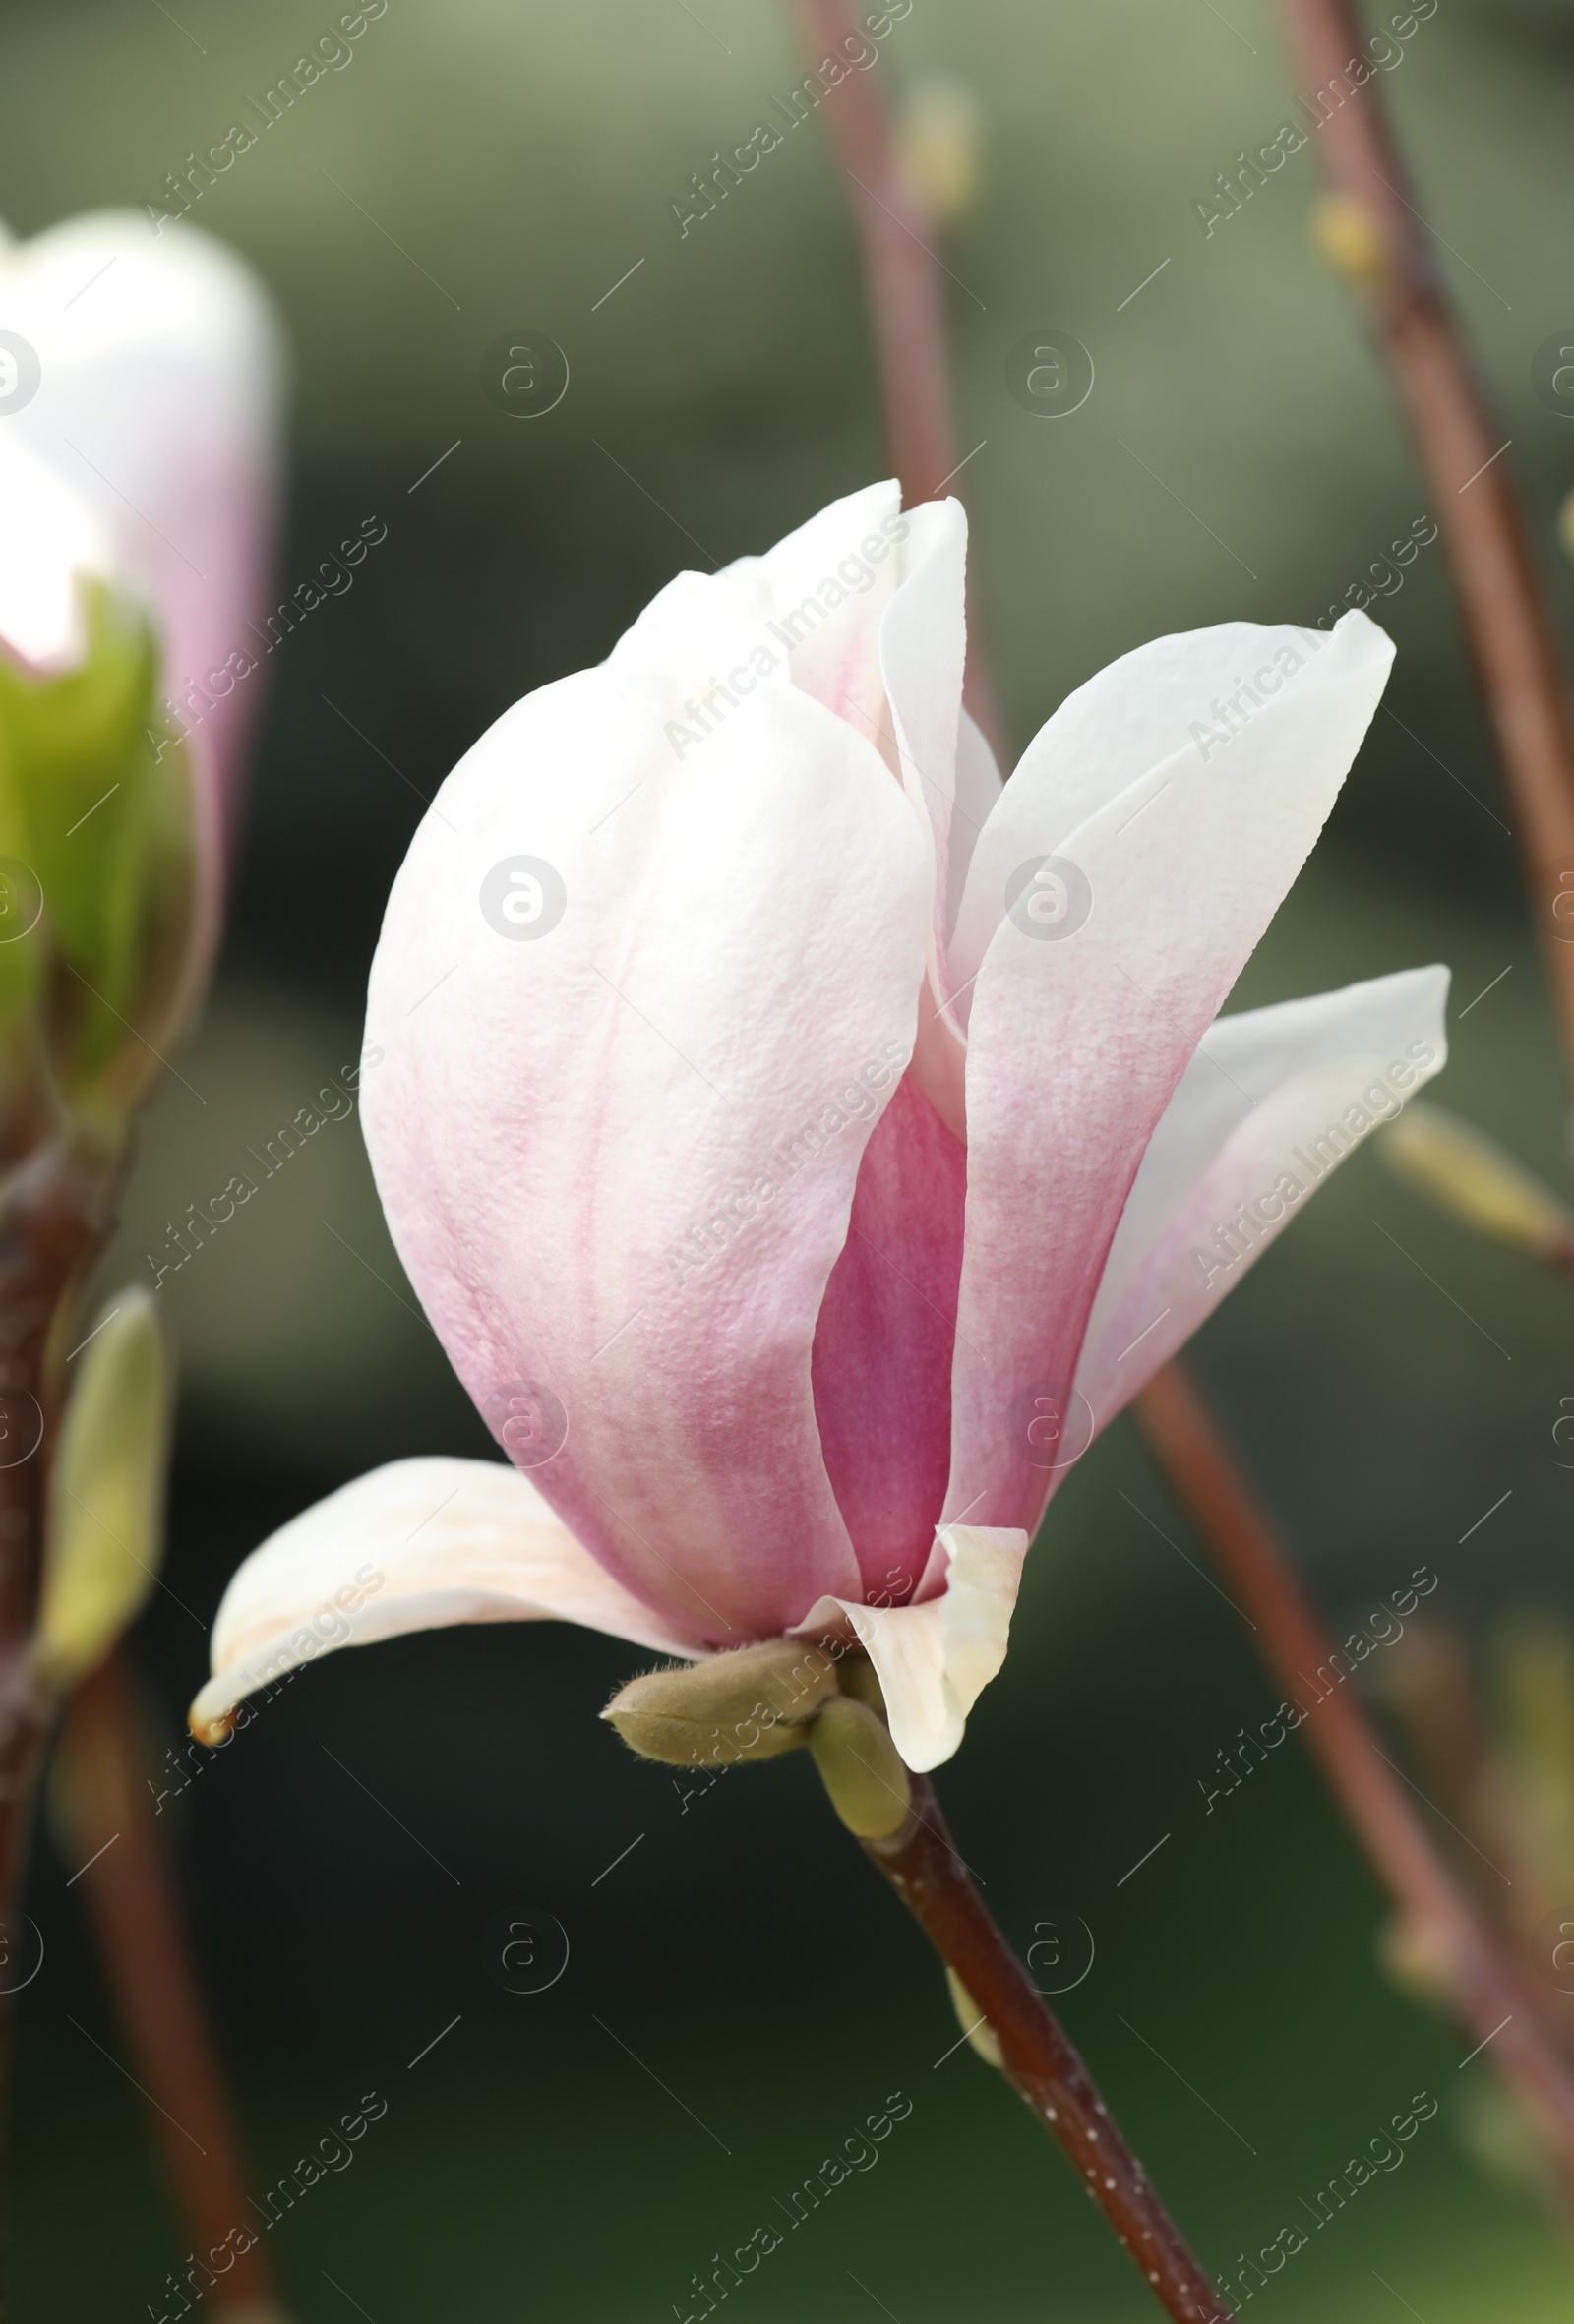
923 640
1139 714
158 401
613 1160
1264 1099
933 1660
418 1545
52 541
1079 1033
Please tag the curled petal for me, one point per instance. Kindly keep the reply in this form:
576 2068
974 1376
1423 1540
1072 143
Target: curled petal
1272 1101
418 1545
1095 989
933 1660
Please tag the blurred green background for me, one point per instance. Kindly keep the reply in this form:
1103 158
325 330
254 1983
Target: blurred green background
500 167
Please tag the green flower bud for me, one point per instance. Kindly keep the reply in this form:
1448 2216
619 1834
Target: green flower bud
98 874
861 1768
750 1704
106 1489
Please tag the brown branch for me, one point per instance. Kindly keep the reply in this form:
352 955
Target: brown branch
52 1217
1461 446
922 1865
103 1798
902 286
1484 1985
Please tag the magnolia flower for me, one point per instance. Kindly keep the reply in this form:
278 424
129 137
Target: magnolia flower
139 389
801 1144
140 378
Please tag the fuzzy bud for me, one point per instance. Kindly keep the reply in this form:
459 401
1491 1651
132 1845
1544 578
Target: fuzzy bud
748 1704
861 1768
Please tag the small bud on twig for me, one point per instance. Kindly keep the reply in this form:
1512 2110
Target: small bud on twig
750 1704
1350 237
861 1768
981 2034
1471 1177
106 1527
939 146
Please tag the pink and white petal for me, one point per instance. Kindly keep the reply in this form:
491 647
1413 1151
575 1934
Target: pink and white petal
53 540
1260 1117
159 401
612 1158
923 645
1076 1040
1138 714
882 1344
418 1545
835 653
934 1660
977 795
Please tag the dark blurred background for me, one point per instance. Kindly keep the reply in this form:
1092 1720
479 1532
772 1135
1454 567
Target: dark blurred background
740 1992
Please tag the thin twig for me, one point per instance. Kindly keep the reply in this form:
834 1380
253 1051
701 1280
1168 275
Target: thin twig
1483 1985
1458 439
901 278
103 1797
1038 2060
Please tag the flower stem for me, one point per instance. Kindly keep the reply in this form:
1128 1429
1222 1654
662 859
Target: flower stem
52 1215
907 313
1483 1985
922 1865
1462 447
137 1919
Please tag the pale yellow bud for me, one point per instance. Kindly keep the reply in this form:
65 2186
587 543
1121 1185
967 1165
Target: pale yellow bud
106 1493
745 1705
1352 238
939 144
861 1768
1410 1952
1471 1177
980 2033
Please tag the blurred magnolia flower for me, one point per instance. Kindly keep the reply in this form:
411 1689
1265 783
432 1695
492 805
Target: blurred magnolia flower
139 389
801 1144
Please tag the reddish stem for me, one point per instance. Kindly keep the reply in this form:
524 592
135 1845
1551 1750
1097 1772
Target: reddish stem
922 1865
1484 1987
1462 446
132 1900
51 1224
902 286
